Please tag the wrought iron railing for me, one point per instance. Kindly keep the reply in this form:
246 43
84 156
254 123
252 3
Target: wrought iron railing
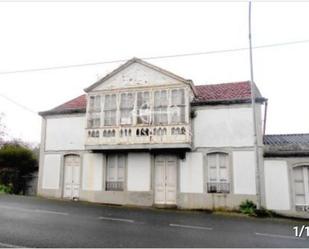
302 207
218 187
114 186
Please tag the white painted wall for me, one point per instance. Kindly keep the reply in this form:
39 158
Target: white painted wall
139 172
223 127
277 185
51 172
136 75
92 171
191 173
244 172
65 133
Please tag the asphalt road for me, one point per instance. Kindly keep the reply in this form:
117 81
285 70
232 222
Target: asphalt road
37 222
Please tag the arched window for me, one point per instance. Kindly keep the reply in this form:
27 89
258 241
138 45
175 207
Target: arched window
218 173
301 187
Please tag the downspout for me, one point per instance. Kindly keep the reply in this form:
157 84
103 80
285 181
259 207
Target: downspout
265 117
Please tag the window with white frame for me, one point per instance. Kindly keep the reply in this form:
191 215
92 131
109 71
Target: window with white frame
301 187
160 107
178 106
218 173
126 108
115 172
143 108
94 116
94 120
110 110
95 103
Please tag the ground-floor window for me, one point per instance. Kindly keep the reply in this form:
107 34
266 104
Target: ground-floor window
218 173
115 172
301 187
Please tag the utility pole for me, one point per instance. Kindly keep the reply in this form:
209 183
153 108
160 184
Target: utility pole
256 147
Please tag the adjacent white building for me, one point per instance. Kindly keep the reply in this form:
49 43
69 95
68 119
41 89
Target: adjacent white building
145 136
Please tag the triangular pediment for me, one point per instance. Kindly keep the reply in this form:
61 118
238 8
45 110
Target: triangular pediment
137 73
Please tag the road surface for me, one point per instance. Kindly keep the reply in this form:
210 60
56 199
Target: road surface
38 222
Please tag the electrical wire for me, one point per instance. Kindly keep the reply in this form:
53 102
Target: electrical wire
17 103
154 57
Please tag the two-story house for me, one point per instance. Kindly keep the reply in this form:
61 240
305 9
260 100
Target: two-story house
145 136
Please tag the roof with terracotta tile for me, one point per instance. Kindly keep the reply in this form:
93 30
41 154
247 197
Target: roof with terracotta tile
226 93
76 105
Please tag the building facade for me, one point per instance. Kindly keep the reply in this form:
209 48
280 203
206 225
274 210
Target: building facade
145 136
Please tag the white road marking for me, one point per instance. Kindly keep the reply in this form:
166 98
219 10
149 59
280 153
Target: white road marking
116 219
10 245
279 236
32 210
190 227
49 212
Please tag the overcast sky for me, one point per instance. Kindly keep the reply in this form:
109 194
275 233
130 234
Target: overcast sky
35 35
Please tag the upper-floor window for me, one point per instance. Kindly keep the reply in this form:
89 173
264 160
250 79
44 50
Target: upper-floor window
143 108
110 110
94 119
126 108
218 173
178 106
95 103
160 114
156 107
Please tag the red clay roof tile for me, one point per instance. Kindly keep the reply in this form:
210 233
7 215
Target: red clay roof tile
236 91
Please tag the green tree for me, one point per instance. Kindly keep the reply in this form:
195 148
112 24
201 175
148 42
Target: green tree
17 164
2 129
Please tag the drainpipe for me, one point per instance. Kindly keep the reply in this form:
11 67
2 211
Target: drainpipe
265 116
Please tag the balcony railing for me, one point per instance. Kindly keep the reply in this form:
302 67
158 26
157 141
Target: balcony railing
302 207
130 135
114 186
218 187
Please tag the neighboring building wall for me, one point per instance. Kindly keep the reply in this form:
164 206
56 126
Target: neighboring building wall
65 133
223 126
277 185
228 129
244 172
280 186
60 135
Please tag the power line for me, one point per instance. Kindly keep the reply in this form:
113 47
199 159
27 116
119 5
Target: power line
154 57
18 104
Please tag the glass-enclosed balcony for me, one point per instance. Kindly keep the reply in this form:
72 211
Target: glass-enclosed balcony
157 118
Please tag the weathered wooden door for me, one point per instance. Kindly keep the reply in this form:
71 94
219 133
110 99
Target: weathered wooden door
71 176
165 179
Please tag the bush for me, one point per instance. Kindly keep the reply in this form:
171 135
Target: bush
249 208
17 164
5 189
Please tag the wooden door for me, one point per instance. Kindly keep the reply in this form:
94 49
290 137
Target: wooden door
165 180
71 176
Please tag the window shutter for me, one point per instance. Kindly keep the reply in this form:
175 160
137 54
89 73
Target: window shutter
223 168
212 168
299 186
111 168
121 168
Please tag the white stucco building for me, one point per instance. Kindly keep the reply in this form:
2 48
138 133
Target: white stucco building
145 136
